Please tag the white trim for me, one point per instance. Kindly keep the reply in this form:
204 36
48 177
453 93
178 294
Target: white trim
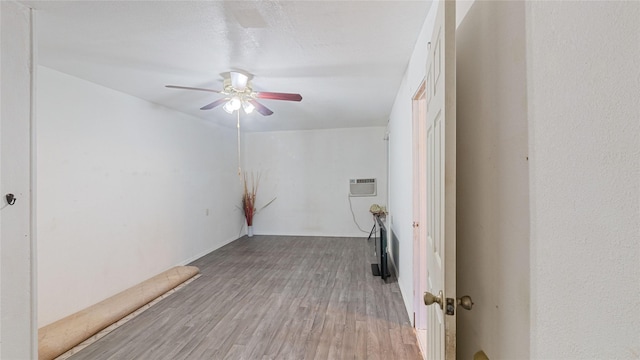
205 252
33 182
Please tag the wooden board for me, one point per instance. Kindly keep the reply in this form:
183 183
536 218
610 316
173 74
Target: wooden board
60 336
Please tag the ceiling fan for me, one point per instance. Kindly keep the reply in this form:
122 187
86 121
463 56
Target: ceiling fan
239 93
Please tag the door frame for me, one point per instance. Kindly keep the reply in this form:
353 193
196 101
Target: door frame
18 309
419 118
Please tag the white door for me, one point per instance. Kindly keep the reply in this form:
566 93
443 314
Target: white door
419 214
441 185
17 295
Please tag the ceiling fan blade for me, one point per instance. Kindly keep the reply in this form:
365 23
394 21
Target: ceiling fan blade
260 108
214 104
278 96
238 80
192 88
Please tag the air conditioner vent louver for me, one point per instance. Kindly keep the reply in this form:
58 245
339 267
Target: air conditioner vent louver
362 187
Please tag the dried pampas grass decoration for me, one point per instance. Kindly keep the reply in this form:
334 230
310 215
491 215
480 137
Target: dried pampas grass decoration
250 189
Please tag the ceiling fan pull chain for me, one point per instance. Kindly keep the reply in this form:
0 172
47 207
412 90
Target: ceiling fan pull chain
238 126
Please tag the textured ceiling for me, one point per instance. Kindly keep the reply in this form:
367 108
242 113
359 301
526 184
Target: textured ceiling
346 58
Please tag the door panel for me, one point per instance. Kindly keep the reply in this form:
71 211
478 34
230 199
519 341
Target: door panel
441 184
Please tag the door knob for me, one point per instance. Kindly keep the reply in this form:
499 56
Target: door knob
429 298
11 199
465 302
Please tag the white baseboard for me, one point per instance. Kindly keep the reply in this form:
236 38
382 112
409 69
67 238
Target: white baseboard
205 252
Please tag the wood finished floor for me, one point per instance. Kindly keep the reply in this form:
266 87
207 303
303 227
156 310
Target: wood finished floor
273 297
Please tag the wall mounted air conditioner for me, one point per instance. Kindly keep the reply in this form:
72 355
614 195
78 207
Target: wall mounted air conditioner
362 187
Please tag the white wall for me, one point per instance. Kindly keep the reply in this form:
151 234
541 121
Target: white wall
308 172
127 189
17 298
493 181
583 85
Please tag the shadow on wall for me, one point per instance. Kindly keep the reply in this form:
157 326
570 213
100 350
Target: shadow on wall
493 181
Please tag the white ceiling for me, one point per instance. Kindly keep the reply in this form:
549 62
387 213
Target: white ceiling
346 58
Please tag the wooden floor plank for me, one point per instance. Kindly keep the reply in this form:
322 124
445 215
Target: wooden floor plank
273 297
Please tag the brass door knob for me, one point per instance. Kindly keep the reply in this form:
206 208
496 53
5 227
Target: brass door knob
465 302
429 298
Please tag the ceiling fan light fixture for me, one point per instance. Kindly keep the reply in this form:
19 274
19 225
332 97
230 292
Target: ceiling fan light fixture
248 107
232 105
235 103
227 107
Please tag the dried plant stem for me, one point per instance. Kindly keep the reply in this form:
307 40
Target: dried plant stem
249 197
